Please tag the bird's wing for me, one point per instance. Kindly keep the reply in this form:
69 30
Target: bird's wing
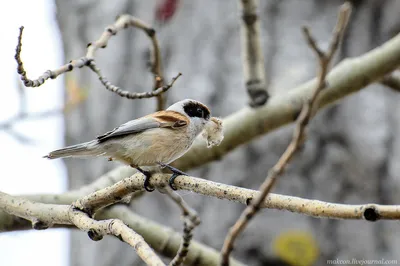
162 119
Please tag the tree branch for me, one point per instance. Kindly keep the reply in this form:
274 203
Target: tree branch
190 221
299 133
347 77
44 215
166 241
315 208
122 22
161 238
252 54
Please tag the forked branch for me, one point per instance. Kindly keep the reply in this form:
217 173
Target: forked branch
122 22
299 133
44 215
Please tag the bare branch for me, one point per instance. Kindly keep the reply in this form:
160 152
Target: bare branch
122 22
126 94
315 208
349 76
161 238
44 215
298 135
190 221
346 78
107 196
252 54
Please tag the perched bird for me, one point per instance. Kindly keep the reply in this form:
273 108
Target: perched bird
155 139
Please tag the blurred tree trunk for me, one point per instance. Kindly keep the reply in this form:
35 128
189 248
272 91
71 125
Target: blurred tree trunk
350 156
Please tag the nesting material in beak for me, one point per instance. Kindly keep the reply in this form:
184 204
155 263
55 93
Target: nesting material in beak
213 132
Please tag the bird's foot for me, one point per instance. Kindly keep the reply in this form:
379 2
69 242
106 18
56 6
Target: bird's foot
146 184
175 174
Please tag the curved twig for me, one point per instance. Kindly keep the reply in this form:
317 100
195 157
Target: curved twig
122 22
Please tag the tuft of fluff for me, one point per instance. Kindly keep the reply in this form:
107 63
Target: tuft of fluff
213 132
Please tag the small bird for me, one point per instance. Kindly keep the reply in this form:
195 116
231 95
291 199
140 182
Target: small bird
155 139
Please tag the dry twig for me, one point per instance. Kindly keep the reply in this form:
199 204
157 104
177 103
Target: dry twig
306 113
190 221
252 54
122 22
44 215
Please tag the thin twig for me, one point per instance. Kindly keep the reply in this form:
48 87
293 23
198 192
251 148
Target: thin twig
122 22
190 221
123 93
252 54
298 135
44 215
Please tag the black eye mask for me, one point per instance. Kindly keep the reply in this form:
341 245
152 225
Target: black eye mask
195 109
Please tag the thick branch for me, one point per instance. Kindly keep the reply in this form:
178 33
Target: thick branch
349 76
163 239
252 54
44 215
315 208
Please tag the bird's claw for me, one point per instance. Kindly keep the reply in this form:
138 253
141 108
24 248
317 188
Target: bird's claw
171 181
147 185
147 175
175 174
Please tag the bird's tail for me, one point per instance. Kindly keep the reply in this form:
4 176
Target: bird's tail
79 150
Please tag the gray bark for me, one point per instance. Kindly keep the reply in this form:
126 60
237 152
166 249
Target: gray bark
350 155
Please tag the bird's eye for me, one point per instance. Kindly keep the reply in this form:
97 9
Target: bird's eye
200 112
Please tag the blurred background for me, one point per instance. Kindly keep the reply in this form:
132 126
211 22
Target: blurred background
350 155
